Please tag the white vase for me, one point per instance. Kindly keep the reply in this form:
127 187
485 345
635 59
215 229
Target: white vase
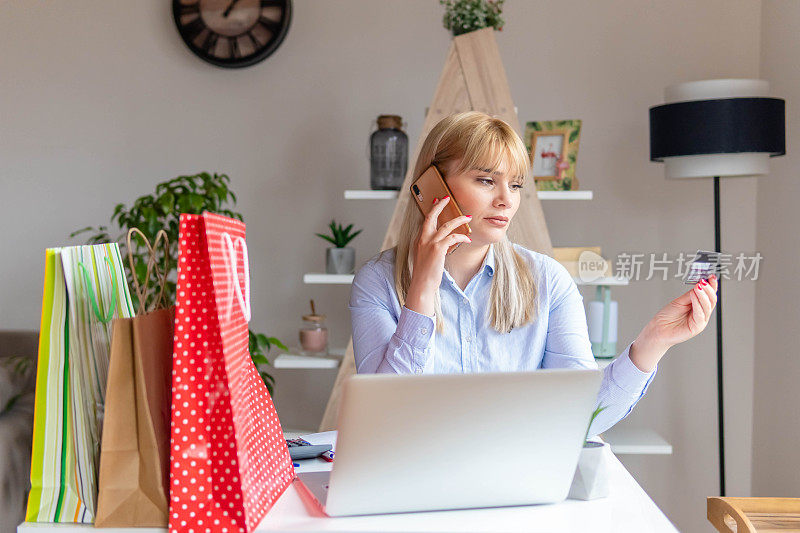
591 475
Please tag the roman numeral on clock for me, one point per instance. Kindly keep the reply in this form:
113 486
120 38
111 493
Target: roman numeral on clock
272 25
190 9
233 42
210 42
256 43
194 28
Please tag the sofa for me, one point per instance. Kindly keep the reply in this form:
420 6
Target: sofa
18 356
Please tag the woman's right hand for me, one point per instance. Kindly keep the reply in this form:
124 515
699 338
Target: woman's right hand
430 249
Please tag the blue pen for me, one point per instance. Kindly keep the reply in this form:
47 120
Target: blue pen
296 465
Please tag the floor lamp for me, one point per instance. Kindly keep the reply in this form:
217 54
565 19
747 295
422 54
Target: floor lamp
717 128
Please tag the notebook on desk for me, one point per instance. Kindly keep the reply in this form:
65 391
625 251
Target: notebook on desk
455 441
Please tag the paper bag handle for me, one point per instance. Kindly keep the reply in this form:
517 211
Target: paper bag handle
230 252
93 297
141 292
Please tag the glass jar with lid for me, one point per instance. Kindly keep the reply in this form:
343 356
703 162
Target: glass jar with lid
388 154
314 335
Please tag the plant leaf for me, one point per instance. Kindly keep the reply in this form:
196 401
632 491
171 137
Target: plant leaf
262 342
259 359
594 415
79 231
353 236
329 239
277 343
166 201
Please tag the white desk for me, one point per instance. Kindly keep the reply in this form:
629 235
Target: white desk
628 508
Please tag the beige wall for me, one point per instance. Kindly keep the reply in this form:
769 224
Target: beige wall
776 425
101 100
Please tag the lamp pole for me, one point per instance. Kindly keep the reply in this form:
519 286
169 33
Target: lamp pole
720 409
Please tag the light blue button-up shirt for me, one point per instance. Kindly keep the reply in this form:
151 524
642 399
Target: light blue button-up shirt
395 339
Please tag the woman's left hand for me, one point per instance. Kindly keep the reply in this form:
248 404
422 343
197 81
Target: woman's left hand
685 316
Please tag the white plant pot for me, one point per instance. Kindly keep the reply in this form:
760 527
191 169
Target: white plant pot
591 475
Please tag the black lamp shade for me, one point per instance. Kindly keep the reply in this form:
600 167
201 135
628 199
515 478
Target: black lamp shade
719 126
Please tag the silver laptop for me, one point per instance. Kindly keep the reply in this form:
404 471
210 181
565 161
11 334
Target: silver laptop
455 441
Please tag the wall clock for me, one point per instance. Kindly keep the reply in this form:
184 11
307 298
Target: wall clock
232 33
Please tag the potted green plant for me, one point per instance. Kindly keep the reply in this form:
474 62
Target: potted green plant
340 259
162 210
462 16
591 474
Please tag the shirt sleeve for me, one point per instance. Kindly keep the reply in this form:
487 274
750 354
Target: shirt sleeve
383 341
568 346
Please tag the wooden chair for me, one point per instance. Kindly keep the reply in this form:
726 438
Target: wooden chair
748 515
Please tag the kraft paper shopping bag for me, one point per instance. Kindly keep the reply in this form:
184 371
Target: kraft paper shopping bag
228 458
134 458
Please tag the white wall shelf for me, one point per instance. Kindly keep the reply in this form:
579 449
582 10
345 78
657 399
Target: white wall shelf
630 441
565 195
293 359
318 278
286 360
367 194
315 278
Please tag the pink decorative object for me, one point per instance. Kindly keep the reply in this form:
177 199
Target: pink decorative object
314 334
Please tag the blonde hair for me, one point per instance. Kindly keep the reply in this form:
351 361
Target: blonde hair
483 142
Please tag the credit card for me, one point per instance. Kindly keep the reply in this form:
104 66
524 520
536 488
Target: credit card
704 264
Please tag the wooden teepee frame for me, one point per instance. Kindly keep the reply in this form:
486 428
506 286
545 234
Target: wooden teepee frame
473 78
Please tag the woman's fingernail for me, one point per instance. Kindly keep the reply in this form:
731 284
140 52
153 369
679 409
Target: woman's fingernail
704 282
435 200
469 216
446 197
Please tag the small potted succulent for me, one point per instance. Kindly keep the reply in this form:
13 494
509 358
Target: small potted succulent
340 259
463 16
591 474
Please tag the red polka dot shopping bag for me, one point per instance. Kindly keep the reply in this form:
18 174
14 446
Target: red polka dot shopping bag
228 458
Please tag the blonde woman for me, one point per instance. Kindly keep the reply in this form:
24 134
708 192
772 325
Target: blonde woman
491 305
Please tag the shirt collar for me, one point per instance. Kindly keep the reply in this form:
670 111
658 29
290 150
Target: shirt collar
487 266
488 261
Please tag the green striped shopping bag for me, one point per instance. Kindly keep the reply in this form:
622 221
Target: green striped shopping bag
84 289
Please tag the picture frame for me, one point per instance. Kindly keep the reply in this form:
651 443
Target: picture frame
553 150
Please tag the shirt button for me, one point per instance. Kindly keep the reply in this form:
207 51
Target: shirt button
466 300
418 371
424 331
469 339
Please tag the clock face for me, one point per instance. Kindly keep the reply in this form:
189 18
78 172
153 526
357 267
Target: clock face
232 33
